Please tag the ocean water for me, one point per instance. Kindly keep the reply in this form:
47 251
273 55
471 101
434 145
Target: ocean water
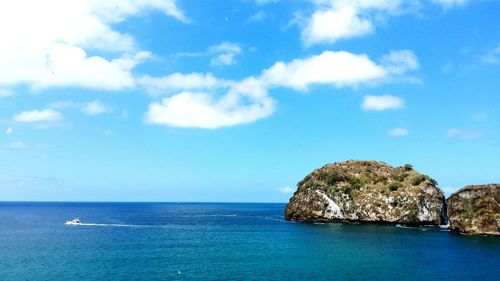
212 241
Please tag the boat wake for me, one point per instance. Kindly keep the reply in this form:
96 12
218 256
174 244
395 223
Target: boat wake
114 225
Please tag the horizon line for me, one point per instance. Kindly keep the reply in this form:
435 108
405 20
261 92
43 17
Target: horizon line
170 202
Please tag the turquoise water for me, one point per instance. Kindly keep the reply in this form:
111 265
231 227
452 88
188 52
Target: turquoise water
198 241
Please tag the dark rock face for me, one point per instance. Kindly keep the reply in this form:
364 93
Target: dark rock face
367 191
475 210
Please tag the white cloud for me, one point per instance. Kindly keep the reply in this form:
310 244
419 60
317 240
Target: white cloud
245 102
286 190
332 25
202 103
339 69
180 82
9 131
384 102
38 116
224 53
333 20
451 3
492 56
334 68
398 132
70 66
466 133
94 108
46 43
400 62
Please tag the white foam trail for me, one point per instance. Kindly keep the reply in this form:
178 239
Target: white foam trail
118 225
113 224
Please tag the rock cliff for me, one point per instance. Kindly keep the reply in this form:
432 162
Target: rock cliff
367 191
475 210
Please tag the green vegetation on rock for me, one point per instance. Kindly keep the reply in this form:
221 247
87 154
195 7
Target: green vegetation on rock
367 191
475 210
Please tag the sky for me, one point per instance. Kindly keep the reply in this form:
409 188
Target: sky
238 100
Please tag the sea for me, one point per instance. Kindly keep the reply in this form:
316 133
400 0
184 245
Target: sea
225 241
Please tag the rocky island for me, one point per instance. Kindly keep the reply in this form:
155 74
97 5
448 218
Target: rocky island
367 191
475 209
375 192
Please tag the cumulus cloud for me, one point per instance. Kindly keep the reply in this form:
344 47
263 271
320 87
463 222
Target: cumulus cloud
50 43
245 102
94 108
333 20
286 190
332 25
380 103
398 132
224 53
334 68
400 62
466 133
70 66
339 69
204 101
9 131
37 116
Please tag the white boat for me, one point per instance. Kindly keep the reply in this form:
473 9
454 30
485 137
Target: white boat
74 222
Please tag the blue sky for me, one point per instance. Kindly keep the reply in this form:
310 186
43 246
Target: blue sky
162 100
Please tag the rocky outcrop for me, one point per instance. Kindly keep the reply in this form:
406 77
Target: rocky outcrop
475 210
367 191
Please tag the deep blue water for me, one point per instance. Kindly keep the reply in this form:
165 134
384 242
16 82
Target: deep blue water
209 241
